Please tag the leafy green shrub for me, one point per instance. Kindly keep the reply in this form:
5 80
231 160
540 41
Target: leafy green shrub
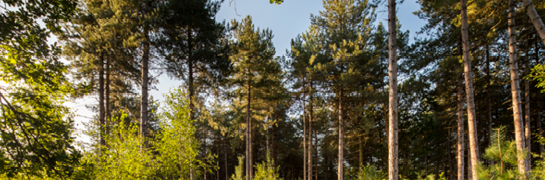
239 170
267 171
369 172
504 153
171 153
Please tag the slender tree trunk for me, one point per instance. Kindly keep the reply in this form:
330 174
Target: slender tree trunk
450 167
361 150
340 169
191 88
304 139
393 169
190 83
460 146
101 100
267 143
527 125
316 155
469 170
472 122
515 88
310 135
536 19
248 134
145 82
107 97
538 121
225 157
218 159
538 98
488 101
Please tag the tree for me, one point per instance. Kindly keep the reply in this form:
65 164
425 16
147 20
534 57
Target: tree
535 18
191 41
470 95
36 132
254 71
392 91
515 90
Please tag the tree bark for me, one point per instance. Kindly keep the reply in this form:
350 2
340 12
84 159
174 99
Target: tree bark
450 166
460 134
310 135
191 88
145 82
101 99
470 95
340 169
225 157
248 135
304 138
107 98
392 74
488 101
469 170
536 19
538 95
515 89
527 125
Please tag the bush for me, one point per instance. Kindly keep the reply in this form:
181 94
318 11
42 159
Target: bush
369 172
266 170
239 170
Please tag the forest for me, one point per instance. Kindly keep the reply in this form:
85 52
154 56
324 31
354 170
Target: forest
352 98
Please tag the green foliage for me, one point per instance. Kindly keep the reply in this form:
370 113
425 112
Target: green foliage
267 171
538 74
175 144
539 168
123 159
370 172
504 153
172 152
239 170
36 133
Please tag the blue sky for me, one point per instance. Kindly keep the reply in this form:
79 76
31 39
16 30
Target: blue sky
286 21
289 19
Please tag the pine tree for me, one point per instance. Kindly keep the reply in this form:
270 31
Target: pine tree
254 70
515 90
470 95
392 109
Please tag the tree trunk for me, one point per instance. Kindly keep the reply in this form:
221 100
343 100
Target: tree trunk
225 157
304 138
469 170
267 136
310 135
515 88
488 101
450 166
248 135
101 100
107 98
538 94
461 132
218 159
191 87
361 150
392 74
145 82
340 169
527 125
536 19
316 155
472 122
